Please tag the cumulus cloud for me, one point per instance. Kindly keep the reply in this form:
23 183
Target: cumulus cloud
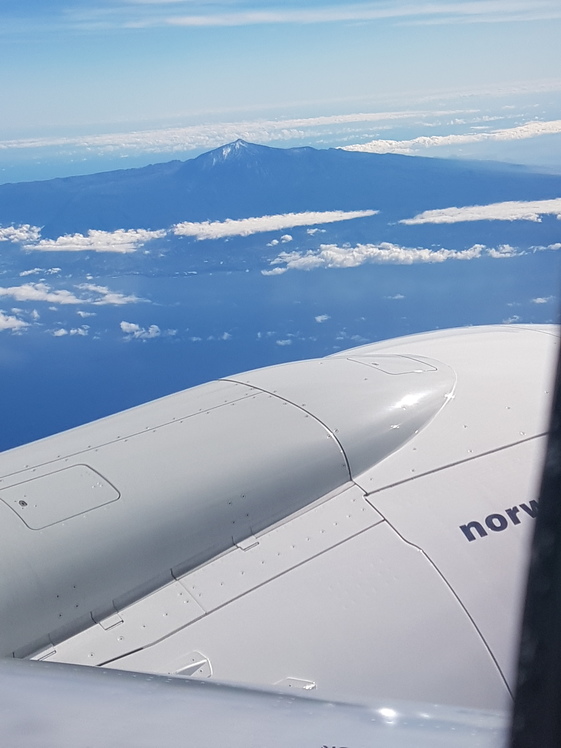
22 233
40 271
503 251
247 226
553 247
285 341
99 295
322 318
542 299
122 241
39 292
134 331
515 210
286 238
274 271
333 256
81 313
9 322
522 132
102 296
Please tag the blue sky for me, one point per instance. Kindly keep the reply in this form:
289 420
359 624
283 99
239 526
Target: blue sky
73 69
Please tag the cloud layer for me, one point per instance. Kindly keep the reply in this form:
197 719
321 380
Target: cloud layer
90 294
279 222
531 210
522 132
122 241
134 331
211 135
203 137
334 256
9 322
198 14
126 241
18 234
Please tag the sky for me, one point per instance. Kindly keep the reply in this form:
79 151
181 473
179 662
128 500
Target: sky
95 85
88 83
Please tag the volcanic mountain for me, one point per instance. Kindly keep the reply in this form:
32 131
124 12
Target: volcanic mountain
244 179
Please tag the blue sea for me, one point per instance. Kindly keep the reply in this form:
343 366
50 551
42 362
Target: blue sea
211 325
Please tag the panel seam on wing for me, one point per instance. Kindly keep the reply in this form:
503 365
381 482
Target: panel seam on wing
449 465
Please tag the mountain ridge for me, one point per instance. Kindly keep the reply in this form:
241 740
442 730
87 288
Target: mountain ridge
242 179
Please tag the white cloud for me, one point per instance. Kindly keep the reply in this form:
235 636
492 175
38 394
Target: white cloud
550 246
322 318
274 271
284 342
83 314
132 330
396 297
210 135
333 256
286 238
442 12
40 271
503 251
530 210
122 241
98 295
9 322
59 333
255 225
22 233
542 300
197 14
83 331
39 292
511 320
102 295
522 132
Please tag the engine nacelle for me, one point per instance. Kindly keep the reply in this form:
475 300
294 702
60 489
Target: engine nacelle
354 526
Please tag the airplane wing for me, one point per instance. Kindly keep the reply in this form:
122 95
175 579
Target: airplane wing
50 705
351 528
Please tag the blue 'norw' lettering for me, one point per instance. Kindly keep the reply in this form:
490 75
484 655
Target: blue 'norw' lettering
498 522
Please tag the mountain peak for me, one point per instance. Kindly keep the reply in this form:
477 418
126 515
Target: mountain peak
233 152
235 148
